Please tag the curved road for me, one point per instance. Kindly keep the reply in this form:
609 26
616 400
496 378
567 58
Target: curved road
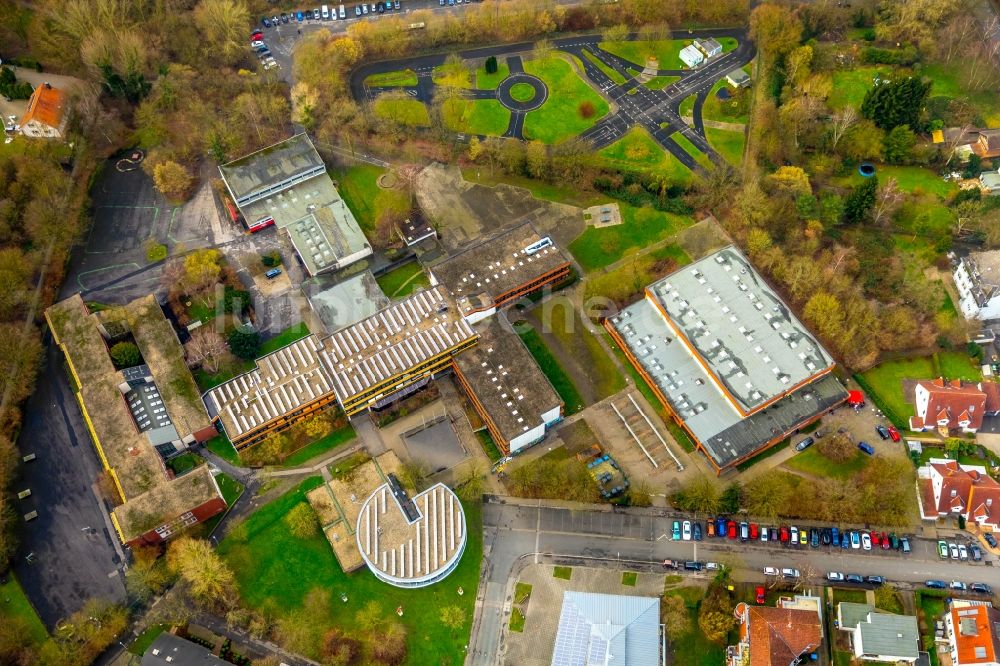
658 111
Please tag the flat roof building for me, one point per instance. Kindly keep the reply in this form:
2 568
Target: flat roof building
507 389
171 650
608 629
500 269
286 185
139 417
411 542
347 302
727 357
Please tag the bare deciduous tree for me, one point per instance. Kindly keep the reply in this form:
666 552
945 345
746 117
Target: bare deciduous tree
886 201
840 122
206 348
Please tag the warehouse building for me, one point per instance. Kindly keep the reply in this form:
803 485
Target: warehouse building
507 389
500 269
286 185
727 358
140 416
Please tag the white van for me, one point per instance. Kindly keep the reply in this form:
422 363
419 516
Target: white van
325 12
343 12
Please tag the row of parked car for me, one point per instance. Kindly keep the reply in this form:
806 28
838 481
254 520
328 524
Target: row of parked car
790 535
260 48
327 13
958 551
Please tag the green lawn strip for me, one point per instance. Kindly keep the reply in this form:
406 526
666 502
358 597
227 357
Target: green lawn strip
476 116
404 77
325 443
359 187
729 144
565 324
559 118
611 73
629 578
146 638
687 106
521 592
563 572
516 620
812 462
561 381
931 605
222 447
486 81
489 446
230 487
667 52
403 281
641 227
275 570
660 82
892 605
766 453
842 595
16 607
409 112
700 157
285 338
522 92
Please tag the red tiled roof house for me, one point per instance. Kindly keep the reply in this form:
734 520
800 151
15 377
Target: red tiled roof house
771 636
948 488
954 405
973 634
45 116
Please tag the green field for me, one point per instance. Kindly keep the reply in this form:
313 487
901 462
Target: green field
222 447
359 187
691 150
729 144
947 80
407 112
476 116
17 608
667 52
486 81
559 117
597 248
404 77
275 570
403 281
522 92
813 463
850 85
639 152
565 324
911 179
608 71
557 376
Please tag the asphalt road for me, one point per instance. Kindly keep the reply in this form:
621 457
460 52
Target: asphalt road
512 532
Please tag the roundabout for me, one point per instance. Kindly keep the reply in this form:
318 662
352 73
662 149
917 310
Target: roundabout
522 92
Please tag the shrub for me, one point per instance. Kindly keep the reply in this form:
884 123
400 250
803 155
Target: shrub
586 109
837 448
244 343
125 355
491 65
271 259
301 521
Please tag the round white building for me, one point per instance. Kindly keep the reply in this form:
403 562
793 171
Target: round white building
411 542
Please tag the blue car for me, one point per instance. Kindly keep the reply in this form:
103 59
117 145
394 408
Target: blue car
835 534
845 540
936 584
298 16
676 533
720 527
855 540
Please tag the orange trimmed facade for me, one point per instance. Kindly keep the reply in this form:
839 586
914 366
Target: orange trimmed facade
499 439
506 298
45 115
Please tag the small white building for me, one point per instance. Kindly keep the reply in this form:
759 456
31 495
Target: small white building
990 181
691 56
710 47
738 78
977 278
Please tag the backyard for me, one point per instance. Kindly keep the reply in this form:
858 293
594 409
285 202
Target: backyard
275 570
693 648
563 114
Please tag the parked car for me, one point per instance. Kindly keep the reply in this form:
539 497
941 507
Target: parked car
953 548
731 529
845 540
854 578
284 17
894 434
814 537
884 541
866 541
943 550
676 532
963 553
990 539
976 553
710 526
982 588
803 536
875 580
826 536
696 530
957 585
770 571
835 577
357 10
273 273
882 431
744 531
256 44
397 5
855 540
867 448
904 544
712 566
935 584
790 573
835 536
317 15
266 22
691 565
783 534
759 592
764 534
805 444
686 530
876 540
795 535
754 532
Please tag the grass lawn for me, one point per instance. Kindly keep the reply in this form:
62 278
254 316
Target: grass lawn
521 592
667 52
561 381
848 595
956 364
403 77
230 487
516 620
489 446
660 82
486 81
16 607
222 447
403 281
813 463
700 157
911 179
693 649
641 227
629 578
729 144
850 85
714 108
146 638
947 80
407 112
522 92
929 452
275 570
327 442
563 572
565 324
285 338
185 462
612 74
687 106
359 187
476 116
560 118
539 189
638 151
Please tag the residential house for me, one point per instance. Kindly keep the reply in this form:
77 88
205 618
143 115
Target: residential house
876 636
973 634
46 115
949 488
691 56
984 142
710 47
781 635
948 406
738 78
977 278
987 145
990 181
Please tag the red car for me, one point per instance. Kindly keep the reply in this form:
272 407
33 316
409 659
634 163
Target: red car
893 433
784 534
875 539
731 529
754 533
257 34
760 594
885 541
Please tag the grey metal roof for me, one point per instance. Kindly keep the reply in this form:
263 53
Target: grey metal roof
348 302
738 75
890 635
176 651
602 629
272 169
